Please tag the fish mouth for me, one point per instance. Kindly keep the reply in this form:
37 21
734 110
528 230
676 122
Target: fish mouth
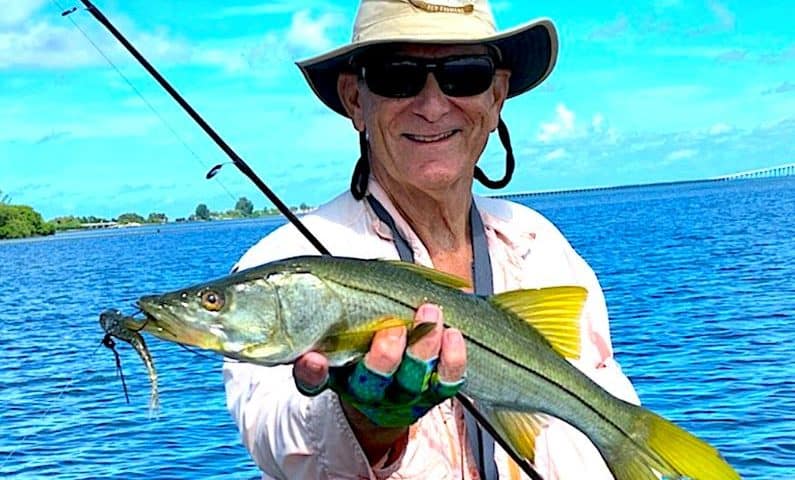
161 322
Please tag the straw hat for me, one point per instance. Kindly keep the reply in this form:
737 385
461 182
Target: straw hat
529 50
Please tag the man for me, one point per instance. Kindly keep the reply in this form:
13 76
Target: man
423 83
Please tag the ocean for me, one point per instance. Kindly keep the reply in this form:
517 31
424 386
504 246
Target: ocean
699 281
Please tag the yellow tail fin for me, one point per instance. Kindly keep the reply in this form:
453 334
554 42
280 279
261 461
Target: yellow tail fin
672 452
656 446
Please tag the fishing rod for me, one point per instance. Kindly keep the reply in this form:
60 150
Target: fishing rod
241 164
233 156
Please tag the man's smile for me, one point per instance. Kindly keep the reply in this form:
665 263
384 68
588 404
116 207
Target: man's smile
439 137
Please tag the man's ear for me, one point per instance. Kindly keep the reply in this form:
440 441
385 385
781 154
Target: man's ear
348 91
500 88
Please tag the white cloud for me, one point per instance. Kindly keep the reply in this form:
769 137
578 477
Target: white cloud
308 34
564 128
269 8
719 129
47 46
597 121
43 45
724 20
611 30
561 127
15 12
222 58
556 154
681 154
724 16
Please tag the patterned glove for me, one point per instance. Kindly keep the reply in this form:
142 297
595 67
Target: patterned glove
390 400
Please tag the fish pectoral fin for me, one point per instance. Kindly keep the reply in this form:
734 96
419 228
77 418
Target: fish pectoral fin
518 429
357 339
435 276
553 311
259 350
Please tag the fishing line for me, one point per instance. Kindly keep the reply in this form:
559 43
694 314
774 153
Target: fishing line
241 165
108 342
68 15
53 403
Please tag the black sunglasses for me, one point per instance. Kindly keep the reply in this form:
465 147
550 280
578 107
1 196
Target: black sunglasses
402 77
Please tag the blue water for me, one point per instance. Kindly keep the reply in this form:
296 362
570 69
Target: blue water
699 279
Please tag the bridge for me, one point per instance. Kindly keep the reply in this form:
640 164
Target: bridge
777 171
785 170
97 225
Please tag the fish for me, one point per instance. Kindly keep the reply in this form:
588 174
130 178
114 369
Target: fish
518 343
126 328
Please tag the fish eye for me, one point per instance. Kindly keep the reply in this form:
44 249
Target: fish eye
212 300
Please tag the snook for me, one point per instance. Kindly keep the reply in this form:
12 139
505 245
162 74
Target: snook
516 344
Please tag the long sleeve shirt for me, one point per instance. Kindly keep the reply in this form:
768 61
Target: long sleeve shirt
291 436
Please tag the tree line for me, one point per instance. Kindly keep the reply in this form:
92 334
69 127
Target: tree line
20 221
244 208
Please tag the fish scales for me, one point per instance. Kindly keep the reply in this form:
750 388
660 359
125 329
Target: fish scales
510 336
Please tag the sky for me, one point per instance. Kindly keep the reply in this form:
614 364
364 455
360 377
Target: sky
643 91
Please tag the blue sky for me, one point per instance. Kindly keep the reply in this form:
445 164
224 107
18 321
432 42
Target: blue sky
652 90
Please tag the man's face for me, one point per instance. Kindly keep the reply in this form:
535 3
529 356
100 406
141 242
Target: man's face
430 141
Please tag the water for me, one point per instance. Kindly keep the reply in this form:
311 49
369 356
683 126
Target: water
698 279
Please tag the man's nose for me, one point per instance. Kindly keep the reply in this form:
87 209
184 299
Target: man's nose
431 103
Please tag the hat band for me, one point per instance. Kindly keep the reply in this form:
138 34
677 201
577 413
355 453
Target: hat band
440 27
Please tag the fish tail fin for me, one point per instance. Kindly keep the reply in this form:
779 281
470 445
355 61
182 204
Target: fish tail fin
668 449
656 447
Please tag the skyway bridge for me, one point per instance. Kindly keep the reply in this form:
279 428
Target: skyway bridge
785 170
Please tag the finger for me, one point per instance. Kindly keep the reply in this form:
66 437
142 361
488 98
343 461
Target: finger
310 372
452 356
428 346
386 350
420 359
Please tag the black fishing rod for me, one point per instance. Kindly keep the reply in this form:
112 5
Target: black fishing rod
236 159
241 164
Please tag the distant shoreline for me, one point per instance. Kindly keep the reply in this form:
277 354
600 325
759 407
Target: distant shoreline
774 172
780 172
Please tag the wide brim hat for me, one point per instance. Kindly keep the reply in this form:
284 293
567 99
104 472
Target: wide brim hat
529 50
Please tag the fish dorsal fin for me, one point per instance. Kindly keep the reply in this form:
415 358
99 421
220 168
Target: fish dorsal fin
435 276
553 311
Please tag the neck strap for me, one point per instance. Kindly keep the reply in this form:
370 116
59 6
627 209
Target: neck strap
480 441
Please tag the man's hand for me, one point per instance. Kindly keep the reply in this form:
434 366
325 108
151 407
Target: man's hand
392 386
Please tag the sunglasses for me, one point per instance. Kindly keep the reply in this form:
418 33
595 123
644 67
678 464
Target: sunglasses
403 77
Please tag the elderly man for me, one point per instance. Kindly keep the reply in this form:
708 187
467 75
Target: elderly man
423 83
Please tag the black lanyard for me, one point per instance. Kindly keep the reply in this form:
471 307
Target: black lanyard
480 441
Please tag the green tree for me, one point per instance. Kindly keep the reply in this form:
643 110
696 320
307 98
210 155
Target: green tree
157 218
202 212
244 206
92 219
20 221
66 223
130 218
